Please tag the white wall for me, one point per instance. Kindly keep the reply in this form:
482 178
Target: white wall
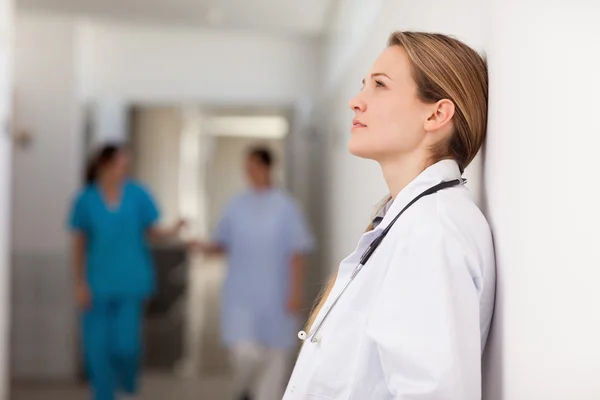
6 53
540 174
110 121
154 63
46 174
539 168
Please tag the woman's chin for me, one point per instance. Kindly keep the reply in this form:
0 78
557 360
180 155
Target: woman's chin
357 147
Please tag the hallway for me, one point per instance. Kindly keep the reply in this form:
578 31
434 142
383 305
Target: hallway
203 341
157 386
74 72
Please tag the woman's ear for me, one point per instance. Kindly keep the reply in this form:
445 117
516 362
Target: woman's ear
440 117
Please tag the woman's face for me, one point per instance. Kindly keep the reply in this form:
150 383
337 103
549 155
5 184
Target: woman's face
118 168
389 117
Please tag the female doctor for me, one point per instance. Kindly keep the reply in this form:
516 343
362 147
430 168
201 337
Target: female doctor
112 218
411 324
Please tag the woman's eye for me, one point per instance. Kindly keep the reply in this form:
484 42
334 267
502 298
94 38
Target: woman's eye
379 84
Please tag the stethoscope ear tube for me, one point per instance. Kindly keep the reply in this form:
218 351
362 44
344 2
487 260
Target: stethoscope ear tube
302 335
372 247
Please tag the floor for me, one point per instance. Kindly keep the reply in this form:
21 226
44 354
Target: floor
206 355
202 375
157 386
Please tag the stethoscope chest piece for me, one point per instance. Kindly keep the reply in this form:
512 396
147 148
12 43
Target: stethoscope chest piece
302 335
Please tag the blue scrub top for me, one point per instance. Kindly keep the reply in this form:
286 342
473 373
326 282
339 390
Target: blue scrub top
261 231
118 259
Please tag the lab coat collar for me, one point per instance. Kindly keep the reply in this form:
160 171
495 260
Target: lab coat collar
445 170
381 213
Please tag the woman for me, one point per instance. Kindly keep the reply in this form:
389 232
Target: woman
111 220
412 323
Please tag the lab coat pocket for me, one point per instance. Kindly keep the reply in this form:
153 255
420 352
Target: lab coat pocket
337 355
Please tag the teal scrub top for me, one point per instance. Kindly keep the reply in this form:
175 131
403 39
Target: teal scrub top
118 259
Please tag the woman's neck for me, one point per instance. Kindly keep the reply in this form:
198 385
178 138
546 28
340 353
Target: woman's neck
110 190
398 173
109 185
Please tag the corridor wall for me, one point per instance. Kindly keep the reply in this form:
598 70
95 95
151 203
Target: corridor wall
6 95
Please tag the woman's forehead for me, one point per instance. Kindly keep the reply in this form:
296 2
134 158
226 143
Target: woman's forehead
392 62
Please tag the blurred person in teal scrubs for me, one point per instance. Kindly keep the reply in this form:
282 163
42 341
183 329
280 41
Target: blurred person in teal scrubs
112 220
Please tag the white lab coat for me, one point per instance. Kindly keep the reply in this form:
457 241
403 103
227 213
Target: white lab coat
413 323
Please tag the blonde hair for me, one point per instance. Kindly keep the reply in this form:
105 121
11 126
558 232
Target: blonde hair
446 68
443 68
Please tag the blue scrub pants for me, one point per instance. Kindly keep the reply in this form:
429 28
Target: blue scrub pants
112 346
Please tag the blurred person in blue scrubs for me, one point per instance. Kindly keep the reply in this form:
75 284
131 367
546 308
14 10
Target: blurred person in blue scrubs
265 238
112 221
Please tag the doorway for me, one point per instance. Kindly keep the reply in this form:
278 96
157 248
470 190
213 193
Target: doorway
192 159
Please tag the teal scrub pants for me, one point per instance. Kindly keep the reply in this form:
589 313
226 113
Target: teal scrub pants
112 346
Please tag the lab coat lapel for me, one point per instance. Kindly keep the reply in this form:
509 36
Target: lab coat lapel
349 263
445 170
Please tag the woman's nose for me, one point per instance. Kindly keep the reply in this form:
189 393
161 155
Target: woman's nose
357 105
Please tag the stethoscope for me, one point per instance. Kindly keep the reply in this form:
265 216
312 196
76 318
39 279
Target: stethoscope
369 252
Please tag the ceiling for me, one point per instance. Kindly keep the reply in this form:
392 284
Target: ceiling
278 16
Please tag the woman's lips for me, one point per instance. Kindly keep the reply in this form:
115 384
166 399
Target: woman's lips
357 124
